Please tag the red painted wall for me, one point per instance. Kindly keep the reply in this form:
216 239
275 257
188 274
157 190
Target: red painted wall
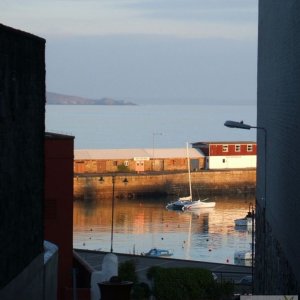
58 212
217 149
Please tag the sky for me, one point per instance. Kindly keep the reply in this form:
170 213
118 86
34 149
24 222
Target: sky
145 51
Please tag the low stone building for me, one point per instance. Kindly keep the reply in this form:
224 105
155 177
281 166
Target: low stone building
136 160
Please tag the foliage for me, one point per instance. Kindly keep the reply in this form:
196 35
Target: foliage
123 168
187 283
127 272
141 291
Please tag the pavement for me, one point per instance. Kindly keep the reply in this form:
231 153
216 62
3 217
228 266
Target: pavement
143 263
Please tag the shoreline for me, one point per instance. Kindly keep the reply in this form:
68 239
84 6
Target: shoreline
150 184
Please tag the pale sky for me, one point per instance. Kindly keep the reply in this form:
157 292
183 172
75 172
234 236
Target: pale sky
145 51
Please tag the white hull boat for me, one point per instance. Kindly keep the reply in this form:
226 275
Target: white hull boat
243 255
196 204
243 222
247 220
187 203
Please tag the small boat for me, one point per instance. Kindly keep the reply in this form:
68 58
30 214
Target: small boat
187 202
198 204
178 204
243 255
247 220
155 252
243 222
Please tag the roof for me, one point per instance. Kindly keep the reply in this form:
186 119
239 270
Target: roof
222 143
93 154
20 32
52 135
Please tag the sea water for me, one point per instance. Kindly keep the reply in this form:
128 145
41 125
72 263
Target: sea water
147 126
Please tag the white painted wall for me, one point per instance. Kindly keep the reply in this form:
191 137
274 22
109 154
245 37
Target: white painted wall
230 162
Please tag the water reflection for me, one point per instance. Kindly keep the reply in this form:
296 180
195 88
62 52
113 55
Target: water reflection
208 234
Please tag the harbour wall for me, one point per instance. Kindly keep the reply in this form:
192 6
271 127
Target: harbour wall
204 183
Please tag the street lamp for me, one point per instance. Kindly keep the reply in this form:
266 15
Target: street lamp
242 125
252 210
153 137
113 180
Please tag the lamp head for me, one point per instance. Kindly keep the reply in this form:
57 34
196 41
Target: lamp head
240 125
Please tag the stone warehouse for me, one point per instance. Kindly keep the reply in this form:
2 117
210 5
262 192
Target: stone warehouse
136 160
203 155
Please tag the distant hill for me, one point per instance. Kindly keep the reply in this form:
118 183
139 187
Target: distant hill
60 99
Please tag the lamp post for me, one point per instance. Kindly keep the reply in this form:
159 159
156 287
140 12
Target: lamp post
252 210
242 125
153 137
113 180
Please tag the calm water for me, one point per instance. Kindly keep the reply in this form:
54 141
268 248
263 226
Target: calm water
206 235
138 126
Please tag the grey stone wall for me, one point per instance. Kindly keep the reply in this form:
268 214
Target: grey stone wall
22 114
278 194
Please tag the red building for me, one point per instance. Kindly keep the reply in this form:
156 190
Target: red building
228 155
58 213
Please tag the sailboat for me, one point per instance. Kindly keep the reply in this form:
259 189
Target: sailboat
187 202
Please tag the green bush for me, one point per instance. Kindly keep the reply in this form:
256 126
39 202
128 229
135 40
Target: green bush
127 271
187 283
123 168
140 290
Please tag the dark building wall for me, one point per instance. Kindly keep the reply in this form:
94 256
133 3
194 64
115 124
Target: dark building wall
59 204
278 240
22 102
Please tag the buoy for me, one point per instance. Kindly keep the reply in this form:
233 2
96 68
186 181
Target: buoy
209 250
162 238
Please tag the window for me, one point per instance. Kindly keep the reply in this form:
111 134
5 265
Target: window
225 148
237 148
224 160
126 163
115 163
249 148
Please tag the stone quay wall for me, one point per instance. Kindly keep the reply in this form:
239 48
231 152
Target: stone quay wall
204 183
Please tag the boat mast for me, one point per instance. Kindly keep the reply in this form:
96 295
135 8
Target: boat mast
189 168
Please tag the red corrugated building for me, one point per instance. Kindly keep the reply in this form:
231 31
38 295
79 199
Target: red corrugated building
228 155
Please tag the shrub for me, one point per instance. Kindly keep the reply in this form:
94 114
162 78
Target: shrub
123 168
127 271
187 283
140 291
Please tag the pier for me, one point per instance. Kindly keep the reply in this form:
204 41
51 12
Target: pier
204 183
